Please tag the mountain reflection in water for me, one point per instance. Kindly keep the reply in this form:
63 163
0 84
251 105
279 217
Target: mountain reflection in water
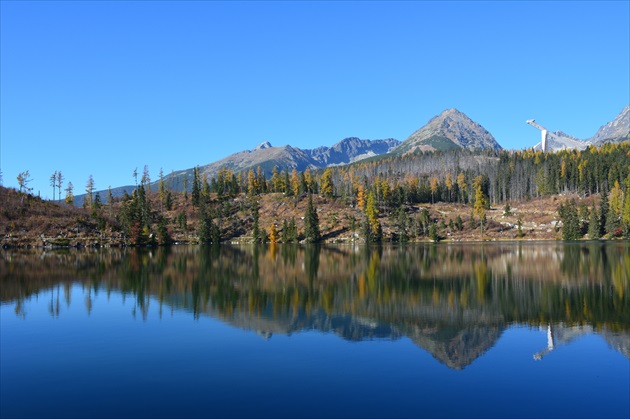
454 301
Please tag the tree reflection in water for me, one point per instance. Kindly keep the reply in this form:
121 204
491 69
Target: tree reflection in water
452 300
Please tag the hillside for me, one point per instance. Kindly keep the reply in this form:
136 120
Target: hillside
42 223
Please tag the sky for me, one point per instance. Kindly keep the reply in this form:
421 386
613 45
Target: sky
101 88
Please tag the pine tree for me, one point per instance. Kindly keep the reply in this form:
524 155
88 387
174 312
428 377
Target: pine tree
288 191
204 232
261 180
161 190
461 185
459 224
614 218
89 189
326 187
97 201
603 212
284 236
168 201
625 216
373 231
593 224
293 234
277 180
208 230
402 236
311 222
433 233
252 183
196 188
182 221
164 237
146 180
361 198
216 233
449 186
434 188
69 194
480 201
295 182
205 190
570 221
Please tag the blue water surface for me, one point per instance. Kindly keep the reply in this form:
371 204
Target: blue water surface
207 342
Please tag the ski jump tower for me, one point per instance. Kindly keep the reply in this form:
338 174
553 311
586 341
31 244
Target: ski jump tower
544 131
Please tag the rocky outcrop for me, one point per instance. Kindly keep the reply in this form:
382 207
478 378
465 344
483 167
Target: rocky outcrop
615 131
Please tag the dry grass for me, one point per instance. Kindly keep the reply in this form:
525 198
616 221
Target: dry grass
24 219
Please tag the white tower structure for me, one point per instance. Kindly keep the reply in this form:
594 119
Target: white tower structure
543 131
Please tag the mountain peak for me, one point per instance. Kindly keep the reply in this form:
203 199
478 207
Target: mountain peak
453 111
449 114
263 145
450 129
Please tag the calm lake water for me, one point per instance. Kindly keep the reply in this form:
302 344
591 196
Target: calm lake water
506 330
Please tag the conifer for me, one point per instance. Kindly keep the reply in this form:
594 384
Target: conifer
311 222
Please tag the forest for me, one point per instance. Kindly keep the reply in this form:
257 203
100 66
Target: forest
427 196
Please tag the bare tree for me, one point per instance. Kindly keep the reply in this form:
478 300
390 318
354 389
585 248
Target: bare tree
110 199
53 182
24 178
59 183
146 179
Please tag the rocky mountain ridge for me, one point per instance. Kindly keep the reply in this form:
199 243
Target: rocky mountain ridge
615 131
448 130
284 157
267 156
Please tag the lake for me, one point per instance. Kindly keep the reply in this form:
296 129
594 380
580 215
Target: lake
424 330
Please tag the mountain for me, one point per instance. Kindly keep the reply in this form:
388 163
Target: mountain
350 150
616 131
448 130
267 156
264 155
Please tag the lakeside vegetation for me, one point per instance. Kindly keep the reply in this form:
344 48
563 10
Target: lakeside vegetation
456 195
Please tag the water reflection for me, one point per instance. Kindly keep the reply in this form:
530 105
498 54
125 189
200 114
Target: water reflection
452 300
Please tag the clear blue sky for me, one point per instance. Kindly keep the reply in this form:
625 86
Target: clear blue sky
100 88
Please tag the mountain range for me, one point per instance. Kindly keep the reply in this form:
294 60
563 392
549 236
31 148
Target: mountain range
267 156
451 129
616 131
